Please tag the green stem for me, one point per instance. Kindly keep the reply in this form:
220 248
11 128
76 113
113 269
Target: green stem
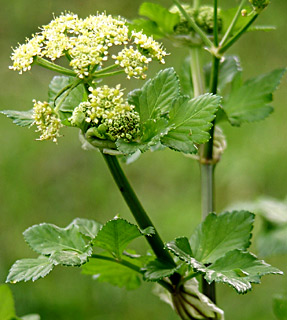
233 23
102 75
136 208
194 26
196 4
111 67
54 67
229 43
196 72
215 28
132 266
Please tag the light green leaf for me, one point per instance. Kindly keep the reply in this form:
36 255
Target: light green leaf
239 269
65 245
157 270
31 317
190 121
219 234
165 20
250 102
29 269
115 235
20 118
148 27
273 211
74 98
89 228
156 96
272 242
7 308
113 272
280 306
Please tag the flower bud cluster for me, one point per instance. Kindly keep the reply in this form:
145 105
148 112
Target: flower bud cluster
203 16
107 110
47 121
87 42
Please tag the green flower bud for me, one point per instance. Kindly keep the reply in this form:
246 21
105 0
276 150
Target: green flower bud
205 18
259 5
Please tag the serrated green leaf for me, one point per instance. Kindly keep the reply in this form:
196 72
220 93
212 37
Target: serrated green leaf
157 270
60 243
148 27
165 20
20 118
273 242
249 102
156 96
190 121
219 234
115 235
7 308
30 269
89 228
239 269
74 98
280 306
113 272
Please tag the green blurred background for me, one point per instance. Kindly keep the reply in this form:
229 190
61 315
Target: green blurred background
44 182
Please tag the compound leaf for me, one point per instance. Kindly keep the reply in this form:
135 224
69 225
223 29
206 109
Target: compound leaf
113 272
190 121
218 234
165 20
115 235
20 118
250 102
239 269
30 269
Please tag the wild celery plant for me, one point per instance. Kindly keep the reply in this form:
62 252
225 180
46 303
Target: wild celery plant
169 111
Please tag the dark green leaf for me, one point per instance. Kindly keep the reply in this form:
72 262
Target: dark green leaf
165 20
74 98
115 235
30 269
190 121
249 102
20 118
217 235
239 269
113 272
65 245
89 228
7 308
156 96
157 270
280 306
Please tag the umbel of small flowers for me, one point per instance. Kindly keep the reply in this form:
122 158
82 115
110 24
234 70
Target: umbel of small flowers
87 43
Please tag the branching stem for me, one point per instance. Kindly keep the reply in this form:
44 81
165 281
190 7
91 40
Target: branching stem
54 67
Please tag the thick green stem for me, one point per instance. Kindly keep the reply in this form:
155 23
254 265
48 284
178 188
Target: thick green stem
196 72
136 208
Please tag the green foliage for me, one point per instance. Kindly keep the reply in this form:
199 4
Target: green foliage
113 272
157 270
20 118
115 235
87 227
190 121
59 87
30 269
249 101
7 308
280 306
218 250
165 20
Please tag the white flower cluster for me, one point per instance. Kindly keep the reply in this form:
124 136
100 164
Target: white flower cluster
109 112
86 43
46 120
